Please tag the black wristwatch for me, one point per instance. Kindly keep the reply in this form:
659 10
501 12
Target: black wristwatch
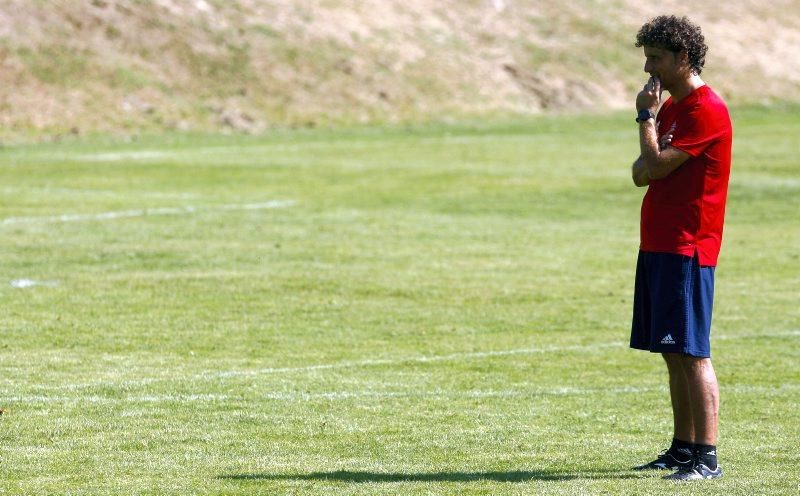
645 115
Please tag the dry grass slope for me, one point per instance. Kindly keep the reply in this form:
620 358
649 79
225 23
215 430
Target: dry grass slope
126 66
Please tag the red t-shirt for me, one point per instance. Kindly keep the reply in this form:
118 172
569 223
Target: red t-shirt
683 213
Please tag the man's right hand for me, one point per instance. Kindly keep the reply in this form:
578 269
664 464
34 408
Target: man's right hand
650 96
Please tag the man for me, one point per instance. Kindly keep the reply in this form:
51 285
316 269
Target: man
685 162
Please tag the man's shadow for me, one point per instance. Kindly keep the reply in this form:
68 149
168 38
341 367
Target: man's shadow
361 476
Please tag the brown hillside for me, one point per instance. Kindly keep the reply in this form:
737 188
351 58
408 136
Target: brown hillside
149 65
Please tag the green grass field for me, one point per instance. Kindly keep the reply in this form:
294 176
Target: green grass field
433 310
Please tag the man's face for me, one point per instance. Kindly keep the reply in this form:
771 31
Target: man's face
663 64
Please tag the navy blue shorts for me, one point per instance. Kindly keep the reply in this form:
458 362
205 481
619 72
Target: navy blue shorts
672 305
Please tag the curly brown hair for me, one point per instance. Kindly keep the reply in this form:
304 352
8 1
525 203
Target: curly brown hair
675 34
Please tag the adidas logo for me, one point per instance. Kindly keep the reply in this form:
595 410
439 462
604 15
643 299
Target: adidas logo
668 339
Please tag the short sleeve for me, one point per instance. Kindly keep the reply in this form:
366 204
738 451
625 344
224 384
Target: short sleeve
697 128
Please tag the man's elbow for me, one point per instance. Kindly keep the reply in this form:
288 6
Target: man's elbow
654 171
639 173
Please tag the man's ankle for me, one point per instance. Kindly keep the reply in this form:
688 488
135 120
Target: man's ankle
681 450
707 455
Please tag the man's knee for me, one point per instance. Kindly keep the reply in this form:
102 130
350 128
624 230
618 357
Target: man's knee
695 366
687 365
673 359
674 363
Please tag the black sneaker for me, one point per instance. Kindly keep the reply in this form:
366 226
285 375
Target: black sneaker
667 461
696 472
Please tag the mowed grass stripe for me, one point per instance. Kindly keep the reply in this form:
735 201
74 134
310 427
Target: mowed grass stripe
443 395
147 212
177 376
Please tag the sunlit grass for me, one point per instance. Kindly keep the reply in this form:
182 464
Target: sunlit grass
425 310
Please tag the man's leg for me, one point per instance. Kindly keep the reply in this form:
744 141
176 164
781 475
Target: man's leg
682 414
681 452
703 398
704 404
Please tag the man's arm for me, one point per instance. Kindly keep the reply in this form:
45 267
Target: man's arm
659 160
639 171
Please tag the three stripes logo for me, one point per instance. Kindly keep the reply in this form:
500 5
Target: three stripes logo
668 339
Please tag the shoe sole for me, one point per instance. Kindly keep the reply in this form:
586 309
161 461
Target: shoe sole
693 477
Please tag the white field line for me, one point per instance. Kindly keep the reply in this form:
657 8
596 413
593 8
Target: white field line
761 181
333 366
445 394
99 192
554 391
29 283
179 398
125 155
409 360
223 374
450 357
346 395
122 214
261 148
340 365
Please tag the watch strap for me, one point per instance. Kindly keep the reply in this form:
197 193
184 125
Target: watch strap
645 115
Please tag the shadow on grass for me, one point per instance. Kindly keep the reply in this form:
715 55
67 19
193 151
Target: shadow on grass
516 476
